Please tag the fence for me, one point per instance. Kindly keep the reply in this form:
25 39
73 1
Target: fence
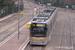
9 10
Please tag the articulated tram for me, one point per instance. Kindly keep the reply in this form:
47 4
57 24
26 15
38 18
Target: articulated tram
41 27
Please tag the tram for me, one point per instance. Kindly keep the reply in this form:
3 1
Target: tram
41 27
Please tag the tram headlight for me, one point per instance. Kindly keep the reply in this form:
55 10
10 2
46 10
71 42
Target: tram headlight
45 38
30 37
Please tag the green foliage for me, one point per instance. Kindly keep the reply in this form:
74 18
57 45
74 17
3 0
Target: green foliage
9 10
6 3
1 2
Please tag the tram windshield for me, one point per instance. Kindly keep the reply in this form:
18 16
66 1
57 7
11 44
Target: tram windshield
38 34
38 31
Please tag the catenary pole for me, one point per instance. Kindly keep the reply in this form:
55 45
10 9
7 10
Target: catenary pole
18 17
33 8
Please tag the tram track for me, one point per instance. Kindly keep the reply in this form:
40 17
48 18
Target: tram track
65 31
61 37
71 35
5 22
14 25
66 35
11 29
35 47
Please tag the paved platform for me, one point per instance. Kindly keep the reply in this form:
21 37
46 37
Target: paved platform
13 43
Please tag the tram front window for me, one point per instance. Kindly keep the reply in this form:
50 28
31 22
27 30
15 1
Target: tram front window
38 32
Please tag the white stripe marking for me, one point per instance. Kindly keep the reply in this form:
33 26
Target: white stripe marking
24 44
7 39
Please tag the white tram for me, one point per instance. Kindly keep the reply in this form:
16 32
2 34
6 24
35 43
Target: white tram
41 27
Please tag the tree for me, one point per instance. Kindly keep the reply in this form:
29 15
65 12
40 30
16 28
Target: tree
6 3
1 2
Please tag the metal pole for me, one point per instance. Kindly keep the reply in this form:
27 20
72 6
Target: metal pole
33 8
65 9
22 6
18 16
71 10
